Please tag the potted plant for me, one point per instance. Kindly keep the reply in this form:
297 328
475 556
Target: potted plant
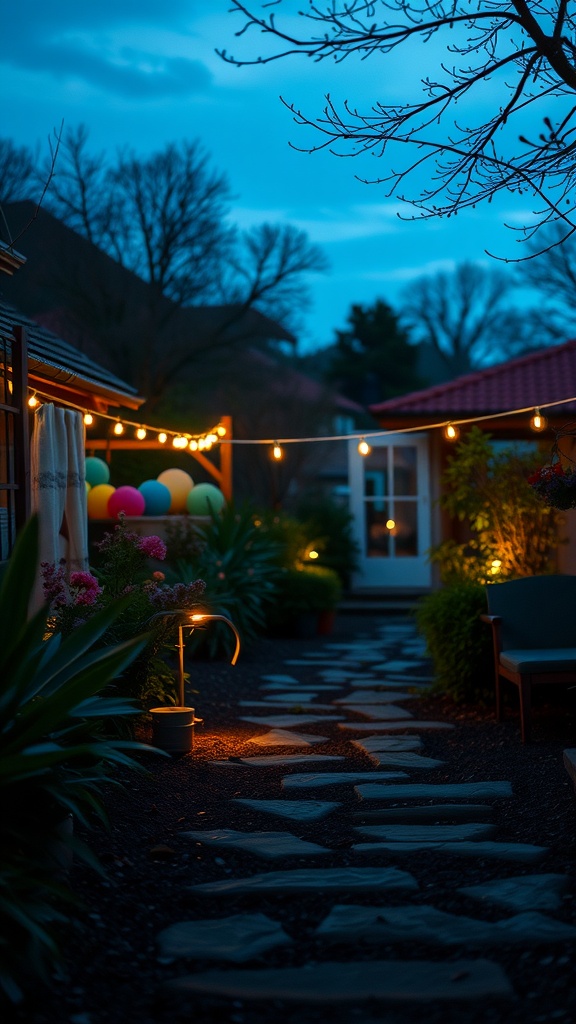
306 601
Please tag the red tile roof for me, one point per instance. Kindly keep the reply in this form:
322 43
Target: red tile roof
548 375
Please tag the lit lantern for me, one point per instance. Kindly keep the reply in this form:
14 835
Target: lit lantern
128 500
97 471
204 499
97 499
179 483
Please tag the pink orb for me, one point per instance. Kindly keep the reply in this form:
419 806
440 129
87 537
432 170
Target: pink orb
128 500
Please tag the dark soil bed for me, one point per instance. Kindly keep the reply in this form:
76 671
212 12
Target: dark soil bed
112 972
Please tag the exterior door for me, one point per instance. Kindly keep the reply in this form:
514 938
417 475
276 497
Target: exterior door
390 505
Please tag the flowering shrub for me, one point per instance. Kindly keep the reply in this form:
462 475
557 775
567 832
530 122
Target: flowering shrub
555 485
123 568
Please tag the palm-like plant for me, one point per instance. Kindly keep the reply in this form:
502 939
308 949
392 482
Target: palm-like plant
55 756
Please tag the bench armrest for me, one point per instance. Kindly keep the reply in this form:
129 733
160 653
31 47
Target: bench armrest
494 621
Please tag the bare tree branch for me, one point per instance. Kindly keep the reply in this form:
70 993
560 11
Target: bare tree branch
526 46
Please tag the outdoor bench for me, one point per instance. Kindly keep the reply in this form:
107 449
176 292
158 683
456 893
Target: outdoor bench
534 636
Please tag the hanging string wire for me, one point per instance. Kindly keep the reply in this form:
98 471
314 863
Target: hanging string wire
356 436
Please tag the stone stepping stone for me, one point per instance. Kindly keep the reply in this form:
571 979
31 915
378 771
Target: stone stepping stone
263 844
392 726
311 781
285 738
309 662
237 938
266 760
274 688
426 812
426 833
497 851
379 712
302 880
293 702
397 666
424 680
377 744
403 759
281 679
525 892
405 981
373 697
436 928
285 721
441 791
282 698
295 810
392 686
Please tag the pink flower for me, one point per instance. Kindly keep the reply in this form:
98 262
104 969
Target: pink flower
86 586
158 576
152 547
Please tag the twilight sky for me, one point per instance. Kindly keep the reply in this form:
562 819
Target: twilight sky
144 72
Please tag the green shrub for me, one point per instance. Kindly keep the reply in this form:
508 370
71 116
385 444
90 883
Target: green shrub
329 529
55 757
458 642
237 562
302 591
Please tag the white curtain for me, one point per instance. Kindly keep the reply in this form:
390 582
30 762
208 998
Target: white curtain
59 489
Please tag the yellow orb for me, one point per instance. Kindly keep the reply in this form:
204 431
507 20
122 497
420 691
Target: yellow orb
98 501
179 483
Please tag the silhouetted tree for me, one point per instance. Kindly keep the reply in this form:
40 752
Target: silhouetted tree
372 359
491 111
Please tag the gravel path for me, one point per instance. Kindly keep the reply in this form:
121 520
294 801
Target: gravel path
115 970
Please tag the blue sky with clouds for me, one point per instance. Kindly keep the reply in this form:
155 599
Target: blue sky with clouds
146 73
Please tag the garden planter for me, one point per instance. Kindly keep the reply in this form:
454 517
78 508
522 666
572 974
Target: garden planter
173 729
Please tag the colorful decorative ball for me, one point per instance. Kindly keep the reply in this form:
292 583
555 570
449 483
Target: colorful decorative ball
97 471
204 499
156 496
179 484
128 500
97 499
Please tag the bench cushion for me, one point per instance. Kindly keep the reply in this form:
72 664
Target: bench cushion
548 659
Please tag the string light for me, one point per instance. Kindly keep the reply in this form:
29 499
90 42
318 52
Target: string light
141 433
193 445
180 441
221 430
88 419
33 401
390 524
363 447
451 433
162 437
538 422
277 452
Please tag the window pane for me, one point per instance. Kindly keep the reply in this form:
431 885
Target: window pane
406 529
377 532
404 458
376 473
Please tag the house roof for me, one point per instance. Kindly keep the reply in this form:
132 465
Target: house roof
534 380
54 360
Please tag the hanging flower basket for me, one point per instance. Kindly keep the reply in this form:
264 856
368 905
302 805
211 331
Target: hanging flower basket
555 485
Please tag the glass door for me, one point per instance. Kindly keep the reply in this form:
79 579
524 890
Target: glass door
391 510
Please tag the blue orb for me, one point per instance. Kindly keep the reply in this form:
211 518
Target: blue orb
97 471
156 496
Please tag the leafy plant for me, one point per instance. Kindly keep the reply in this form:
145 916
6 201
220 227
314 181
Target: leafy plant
511 533
124 568
301 591
55 757
329 528
237 564
457 641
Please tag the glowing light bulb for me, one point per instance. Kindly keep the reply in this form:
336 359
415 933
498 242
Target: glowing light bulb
390 524
193 445
451 433
538 421
88 419
221 430
33 402
277 452
141 433
118 428
180 441
313 554
162 437
364 448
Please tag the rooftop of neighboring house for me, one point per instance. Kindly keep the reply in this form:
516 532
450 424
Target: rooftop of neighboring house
527 382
